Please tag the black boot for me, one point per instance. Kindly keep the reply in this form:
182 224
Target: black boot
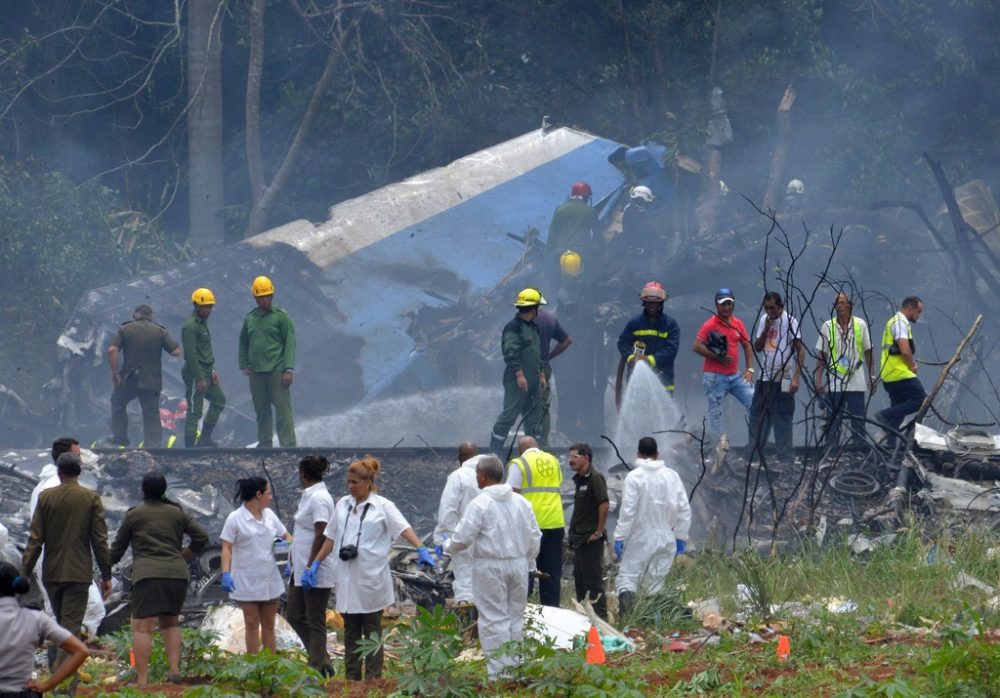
205 440
190 441
625 599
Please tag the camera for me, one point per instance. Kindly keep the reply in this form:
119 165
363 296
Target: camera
348 552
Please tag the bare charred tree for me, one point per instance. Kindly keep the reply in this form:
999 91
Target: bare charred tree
777 171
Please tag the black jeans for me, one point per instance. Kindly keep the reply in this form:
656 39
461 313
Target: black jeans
549 560
905 397
306 613
356 626
588 574
771 408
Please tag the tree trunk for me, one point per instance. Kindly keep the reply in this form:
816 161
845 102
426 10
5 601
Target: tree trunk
780 150
255 69
206 230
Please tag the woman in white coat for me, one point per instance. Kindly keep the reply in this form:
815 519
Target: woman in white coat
362 530
249 571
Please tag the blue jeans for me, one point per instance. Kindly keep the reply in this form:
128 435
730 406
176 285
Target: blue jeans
771 408
717 386
840 406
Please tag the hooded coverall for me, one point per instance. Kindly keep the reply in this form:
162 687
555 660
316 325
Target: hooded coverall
500 530
459 490
655 512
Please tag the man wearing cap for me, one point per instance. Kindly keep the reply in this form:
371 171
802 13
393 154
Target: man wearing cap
651 336
717 342
140 376
267 357
782 354
201 382
523 378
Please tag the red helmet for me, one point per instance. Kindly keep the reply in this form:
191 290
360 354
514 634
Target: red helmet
581 189
653 291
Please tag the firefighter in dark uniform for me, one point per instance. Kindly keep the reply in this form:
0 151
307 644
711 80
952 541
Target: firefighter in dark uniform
267 357
201 382
651 336
140 376
524 380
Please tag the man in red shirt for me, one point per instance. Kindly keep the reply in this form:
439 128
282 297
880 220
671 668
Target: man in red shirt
718 341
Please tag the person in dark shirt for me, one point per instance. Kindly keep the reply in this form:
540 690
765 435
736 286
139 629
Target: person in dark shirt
586 527
155 530
651 336
549 329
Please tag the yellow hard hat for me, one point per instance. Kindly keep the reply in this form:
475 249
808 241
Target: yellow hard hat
571 263
528 298
203 296
262 286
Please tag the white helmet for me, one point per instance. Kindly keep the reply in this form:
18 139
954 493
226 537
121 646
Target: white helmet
795 186
642 192
723 188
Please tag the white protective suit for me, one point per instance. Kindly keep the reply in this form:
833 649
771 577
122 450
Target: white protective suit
95 613
500 530
459 491
655 512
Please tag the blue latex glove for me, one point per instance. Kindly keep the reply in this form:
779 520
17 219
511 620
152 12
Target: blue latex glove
424 557
227 582
286 571
439 551
309 576
681 546
619 544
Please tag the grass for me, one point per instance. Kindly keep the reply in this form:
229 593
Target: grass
910 631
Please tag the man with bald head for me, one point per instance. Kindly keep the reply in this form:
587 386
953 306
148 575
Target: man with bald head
459 489
538 477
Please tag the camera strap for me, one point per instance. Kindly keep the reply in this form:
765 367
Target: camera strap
364 512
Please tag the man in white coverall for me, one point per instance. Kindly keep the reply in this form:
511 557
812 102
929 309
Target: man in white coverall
653 525
500 530
459 491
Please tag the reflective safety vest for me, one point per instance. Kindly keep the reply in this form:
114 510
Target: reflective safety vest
839 364
541 481
894 368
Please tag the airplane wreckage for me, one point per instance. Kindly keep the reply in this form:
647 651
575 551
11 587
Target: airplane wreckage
399 299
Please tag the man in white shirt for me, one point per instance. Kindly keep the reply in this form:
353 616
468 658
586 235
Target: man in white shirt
459 490
844 370
653 525
780 353
500 530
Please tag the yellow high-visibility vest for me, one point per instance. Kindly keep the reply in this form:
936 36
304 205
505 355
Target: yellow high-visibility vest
894 368
541 481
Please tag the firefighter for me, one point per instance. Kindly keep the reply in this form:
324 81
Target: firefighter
651 336
267 358
201 381
575 227
524 381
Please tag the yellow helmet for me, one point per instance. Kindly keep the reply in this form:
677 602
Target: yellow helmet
262 286
203 296
571 263
528 298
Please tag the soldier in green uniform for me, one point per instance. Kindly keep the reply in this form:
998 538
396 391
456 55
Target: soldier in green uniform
267 357
201 382
524 382
141 375
69 525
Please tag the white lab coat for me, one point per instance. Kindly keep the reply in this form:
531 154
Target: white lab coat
654 513
315 506
459 490
364 584
254 569
500 530
95 612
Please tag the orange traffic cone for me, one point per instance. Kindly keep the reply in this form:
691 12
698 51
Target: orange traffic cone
595 649
784 648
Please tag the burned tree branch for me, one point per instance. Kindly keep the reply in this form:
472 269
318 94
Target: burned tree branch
777 170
